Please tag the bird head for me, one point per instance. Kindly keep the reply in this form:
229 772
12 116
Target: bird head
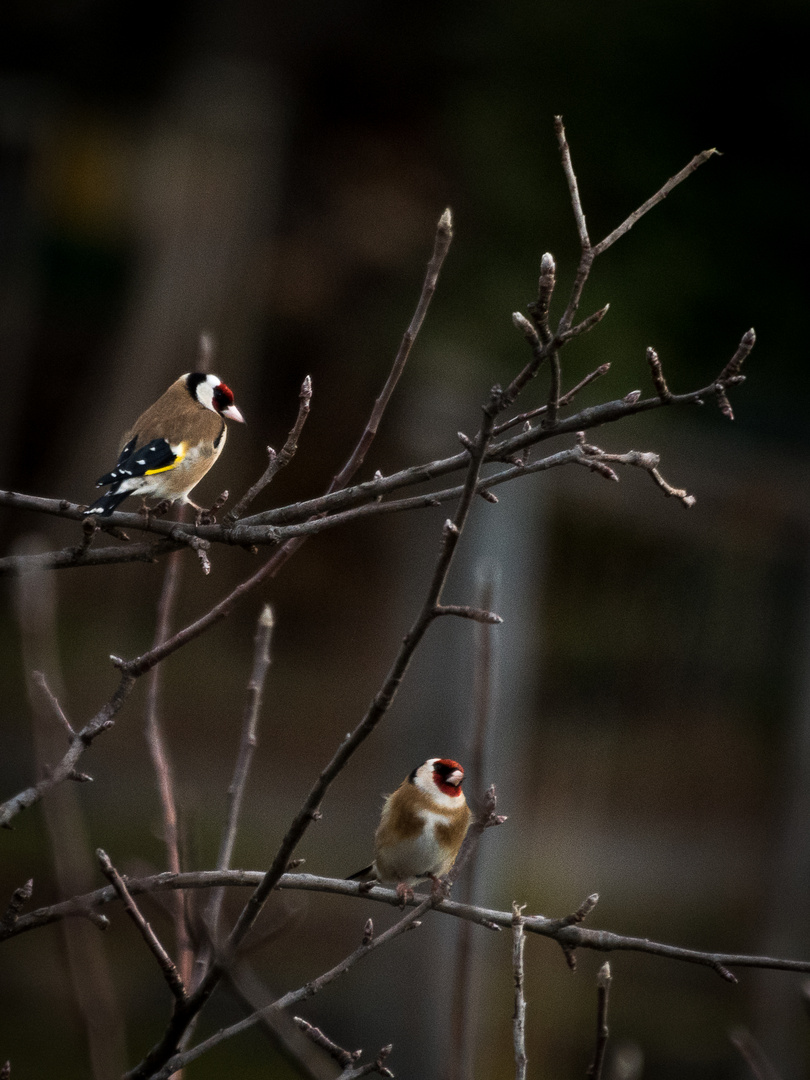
442 773
213 394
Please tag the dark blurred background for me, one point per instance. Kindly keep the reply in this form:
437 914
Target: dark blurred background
273 174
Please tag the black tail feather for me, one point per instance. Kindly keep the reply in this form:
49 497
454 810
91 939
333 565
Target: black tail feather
107 503
361 875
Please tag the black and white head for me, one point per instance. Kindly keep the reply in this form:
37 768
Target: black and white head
212 393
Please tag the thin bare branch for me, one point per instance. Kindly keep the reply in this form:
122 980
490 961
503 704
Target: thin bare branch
177 1061
170 972
732 368
38 677
247 747
461 1053
602 993
444 236
102 721
341 1056
664 392
659 196
376 1066
646 461
571 180
549 421
277 461
566 398
161 763
545 289
67 558
583 327
88 976
307 1060
519 1017
540 352
476 614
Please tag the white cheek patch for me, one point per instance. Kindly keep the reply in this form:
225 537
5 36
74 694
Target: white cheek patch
205 392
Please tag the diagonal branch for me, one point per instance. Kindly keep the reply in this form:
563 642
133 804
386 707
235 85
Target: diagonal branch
277 461
444 237
660 195
178 1061
170 972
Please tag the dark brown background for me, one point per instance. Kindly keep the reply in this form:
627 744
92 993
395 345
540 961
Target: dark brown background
274 174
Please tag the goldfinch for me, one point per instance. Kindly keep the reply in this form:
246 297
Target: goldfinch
171 447
421 828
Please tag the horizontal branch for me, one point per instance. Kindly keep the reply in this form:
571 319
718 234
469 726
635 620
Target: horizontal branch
274 527
570 934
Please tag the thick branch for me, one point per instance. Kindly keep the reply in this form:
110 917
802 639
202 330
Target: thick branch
567 930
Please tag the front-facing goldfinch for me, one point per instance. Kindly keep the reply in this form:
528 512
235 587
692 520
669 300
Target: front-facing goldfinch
422 826
171 447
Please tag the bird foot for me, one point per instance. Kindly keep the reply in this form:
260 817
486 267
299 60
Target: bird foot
154 511
367 886
440 888
207 515
405 894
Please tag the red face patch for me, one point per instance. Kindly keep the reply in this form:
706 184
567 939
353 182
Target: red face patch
223 396
442 769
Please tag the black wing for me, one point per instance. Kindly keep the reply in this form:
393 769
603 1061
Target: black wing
146 459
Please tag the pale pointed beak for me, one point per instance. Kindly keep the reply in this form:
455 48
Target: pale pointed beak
232 413
455 777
